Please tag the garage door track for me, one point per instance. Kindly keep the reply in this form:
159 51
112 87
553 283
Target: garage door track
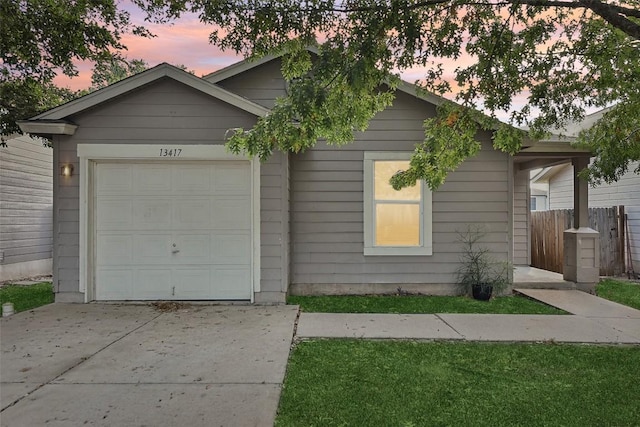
139 365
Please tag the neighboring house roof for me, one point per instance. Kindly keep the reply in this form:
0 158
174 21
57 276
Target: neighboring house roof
574 128
547 173
52 121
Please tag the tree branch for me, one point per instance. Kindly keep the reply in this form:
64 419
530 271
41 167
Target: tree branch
615 15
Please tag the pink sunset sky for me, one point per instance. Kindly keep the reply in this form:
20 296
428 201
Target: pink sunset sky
185 41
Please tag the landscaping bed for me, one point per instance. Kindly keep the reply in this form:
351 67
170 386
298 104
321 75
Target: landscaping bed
420 304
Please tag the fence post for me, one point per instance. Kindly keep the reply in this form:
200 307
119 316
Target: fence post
622 237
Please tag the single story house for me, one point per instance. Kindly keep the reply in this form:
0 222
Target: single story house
153 207
26 208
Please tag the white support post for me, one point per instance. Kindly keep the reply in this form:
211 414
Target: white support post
581 243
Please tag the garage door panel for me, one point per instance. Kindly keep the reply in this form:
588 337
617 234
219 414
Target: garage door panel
114 249
152 214
114 284
193 248
152 249
231 214
114 214
152 179
231 283
190 179
153 283
114 179
192 283
232 178
192 213
230 249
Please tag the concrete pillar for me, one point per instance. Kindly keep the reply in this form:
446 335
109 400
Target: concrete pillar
581 243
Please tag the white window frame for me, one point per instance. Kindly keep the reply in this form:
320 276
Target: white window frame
426 212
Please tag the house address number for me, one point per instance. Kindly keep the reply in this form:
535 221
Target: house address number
170 152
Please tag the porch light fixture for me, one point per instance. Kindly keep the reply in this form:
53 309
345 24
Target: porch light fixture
66 170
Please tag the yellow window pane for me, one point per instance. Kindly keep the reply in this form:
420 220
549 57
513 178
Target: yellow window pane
383 171
397 225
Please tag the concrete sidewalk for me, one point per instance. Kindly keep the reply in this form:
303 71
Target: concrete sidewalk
599 321
116 365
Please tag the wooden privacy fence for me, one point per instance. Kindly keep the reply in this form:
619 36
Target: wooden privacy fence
547 238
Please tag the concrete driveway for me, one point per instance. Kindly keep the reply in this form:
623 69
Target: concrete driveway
134 365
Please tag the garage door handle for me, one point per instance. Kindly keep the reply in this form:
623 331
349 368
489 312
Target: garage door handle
175 251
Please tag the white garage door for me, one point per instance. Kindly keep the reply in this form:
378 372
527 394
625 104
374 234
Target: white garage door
178 231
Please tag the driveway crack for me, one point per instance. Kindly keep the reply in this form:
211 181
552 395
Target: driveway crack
80 362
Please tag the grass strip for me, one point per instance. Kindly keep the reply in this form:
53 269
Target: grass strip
406 383
419 304
627 293
27 297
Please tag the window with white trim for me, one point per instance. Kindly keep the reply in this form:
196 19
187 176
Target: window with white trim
395 222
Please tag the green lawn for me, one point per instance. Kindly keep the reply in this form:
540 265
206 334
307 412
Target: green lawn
626 293
27 297
406 383
412 304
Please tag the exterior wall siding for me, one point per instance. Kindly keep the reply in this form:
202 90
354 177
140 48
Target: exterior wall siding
561 189
262 84
327 235
521 215
26 209
624 192
164 112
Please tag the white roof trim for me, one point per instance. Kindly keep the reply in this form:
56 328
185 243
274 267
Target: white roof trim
411 89
163 70
237 68
47 127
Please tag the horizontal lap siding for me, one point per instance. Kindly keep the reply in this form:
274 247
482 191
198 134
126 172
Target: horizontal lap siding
626 191
262 84
26 213
327 237
165 112
561 189
274 224
521 218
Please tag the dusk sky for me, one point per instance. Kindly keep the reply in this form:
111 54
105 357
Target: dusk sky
185 42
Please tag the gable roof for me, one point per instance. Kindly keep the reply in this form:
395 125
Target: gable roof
151 75
250 63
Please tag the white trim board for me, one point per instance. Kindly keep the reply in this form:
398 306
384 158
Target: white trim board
90 153
146 77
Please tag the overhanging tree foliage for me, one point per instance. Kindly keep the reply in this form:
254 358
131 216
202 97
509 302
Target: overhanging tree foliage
566 56
40 39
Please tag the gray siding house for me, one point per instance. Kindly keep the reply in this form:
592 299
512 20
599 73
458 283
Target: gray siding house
26 209
156 208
